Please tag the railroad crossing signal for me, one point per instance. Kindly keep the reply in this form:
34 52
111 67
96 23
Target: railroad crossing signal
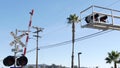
17 39
101 20
10 60
22 60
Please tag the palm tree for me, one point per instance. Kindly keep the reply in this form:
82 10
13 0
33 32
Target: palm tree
113 57
72 19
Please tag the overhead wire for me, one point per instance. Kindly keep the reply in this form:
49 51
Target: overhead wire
69 41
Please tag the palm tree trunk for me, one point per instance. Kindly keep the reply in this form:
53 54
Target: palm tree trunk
115 65
73 40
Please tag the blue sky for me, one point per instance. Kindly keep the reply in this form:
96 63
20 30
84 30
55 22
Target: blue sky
51 15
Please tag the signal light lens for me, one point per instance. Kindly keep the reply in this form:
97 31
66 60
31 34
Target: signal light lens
22 61
9 60
103 18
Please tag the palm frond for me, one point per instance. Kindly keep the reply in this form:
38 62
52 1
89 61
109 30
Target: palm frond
73 18
113 56
108 60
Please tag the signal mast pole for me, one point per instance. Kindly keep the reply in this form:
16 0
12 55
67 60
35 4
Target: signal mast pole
37 36
15 52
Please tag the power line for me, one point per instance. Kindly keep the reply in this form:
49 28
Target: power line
69 41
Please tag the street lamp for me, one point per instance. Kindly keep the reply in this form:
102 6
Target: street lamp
79 59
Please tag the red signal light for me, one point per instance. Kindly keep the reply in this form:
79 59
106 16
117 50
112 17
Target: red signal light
22 61
9 60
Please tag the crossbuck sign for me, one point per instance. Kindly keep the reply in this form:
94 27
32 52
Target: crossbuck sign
17 39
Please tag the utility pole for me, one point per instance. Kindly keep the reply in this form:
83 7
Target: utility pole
37 36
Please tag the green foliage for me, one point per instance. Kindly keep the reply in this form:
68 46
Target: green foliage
73 18
113 56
